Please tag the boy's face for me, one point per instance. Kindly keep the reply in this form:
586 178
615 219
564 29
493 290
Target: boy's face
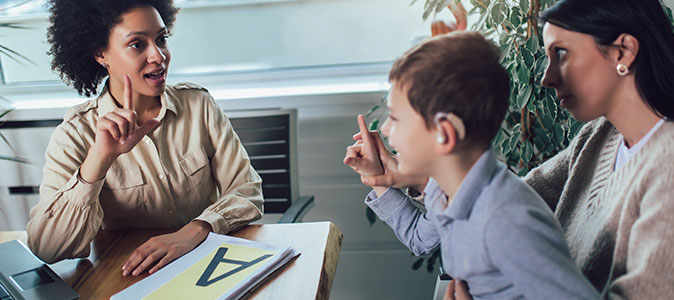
407 134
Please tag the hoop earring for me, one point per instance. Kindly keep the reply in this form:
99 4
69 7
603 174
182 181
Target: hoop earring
622 69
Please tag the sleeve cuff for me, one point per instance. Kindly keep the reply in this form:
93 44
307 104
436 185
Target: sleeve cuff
218 223
82 192
388 203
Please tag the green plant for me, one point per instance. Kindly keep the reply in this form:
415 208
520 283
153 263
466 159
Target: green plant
6 106
535 126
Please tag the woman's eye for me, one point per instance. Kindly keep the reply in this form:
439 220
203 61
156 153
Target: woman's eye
136 45
161 41
560 52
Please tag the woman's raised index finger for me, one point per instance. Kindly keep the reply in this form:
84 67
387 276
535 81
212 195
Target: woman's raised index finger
128 92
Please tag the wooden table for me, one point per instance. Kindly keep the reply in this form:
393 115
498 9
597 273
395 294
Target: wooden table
310 276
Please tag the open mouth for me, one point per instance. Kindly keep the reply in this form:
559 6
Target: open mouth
156 76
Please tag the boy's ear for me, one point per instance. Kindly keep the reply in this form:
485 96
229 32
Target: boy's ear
446 137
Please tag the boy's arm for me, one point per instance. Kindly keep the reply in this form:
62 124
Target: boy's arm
412 227
528 246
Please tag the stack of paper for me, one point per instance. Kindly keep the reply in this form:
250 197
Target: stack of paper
222 267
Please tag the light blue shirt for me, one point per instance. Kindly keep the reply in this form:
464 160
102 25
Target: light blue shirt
496 234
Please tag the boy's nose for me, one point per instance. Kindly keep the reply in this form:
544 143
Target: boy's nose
385 128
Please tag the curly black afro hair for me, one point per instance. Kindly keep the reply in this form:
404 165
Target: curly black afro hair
81 28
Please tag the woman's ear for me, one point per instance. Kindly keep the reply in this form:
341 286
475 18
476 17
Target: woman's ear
100 58
446 137
628 47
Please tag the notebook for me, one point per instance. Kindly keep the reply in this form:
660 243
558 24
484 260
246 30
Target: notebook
24 276
222 267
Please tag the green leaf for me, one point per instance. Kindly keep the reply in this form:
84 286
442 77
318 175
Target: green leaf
527 57
499 12
374 125
523 96
559 134
532 44
524 5
531 104
541 64
523 74
547 121
417 264
372 110
516 17
574 128
17 159
371 216
515 138
550 110
527 152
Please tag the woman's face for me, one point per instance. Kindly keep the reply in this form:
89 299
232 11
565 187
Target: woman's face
137 47
584 78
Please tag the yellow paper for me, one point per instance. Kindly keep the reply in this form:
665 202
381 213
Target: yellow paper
185 285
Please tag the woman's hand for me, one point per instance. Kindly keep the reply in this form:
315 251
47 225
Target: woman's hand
163 249
116 132
457 290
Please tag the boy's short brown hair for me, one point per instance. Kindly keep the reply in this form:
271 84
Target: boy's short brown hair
458 73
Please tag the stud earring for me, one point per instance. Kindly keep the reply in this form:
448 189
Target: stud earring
104 65
622 69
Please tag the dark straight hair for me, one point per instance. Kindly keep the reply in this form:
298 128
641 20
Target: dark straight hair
646 20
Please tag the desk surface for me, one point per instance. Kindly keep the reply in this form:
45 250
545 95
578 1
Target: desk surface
310 276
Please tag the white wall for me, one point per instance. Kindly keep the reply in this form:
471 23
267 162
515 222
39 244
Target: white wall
259 36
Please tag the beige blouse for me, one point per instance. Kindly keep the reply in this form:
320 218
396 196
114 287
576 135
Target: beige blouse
191 166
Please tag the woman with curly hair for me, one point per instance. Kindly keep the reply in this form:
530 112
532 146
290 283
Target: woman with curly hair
142 154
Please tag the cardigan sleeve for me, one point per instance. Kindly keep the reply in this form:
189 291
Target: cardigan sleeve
549 178
649 265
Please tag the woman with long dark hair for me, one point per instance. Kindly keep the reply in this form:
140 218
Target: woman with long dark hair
610 64
143 154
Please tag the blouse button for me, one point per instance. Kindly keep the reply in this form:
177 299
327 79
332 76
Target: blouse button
161 176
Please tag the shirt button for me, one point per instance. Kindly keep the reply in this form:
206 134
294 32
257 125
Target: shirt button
170 211
147 141
161 176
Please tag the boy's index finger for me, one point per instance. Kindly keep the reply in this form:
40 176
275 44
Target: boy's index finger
364 131
128 93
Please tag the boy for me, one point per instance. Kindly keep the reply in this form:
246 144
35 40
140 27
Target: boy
448 98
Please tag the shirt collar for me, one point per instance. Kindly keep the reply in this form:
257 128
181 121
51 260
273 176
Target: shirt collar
107 104
472 185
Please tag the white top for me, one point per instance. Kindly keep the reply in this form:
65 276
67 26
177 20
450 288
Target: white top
625 154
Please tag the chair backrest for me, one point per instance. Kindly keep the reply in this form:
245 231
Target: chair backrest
270 138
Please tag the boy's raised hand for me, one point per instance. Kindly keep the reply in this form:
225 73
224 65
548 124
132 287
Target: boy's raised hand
377 166
363 156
